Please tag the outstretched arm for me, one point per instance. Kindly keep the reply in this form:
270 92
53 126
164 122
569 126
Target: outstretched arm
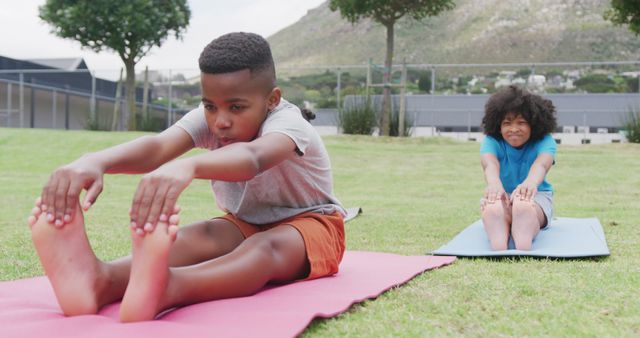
159 190
491 167
539 169
143 154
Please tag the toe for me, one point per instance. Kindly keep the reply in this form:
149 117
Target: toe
174 219
31 220
173 232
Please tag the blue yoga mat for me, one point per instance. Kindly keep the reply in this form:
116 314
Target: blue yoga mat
563 238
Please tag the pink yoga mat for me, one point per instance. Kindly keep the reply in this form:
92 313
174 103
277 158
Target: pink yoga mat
28 307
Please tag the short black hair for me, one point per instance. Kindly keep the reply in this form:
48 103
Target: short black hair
237 51
539 112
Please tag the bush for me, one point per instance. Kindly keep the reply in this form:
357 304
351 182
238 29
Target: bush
149 123
632 85
596 83
99 122
359 119
312 95
632 126
424 82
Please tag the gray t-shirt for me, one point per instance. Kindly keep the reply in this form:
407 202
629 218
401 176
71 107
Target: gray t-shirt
301 183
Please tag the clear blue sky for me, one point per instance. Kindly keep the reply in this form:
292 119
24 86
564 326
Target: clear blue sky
209 19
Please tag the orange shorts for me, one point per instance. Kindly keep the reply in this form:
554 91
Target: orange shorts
323 237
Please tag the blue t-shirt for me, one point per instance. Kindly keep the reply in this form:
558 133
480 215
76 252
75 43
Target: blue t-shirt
515 163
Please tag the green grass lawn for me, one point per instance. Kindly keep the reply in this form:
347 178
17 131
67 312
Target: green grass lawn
416 195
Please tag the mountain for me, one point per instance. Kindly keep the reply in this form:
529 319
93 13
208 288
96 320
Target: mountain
475 31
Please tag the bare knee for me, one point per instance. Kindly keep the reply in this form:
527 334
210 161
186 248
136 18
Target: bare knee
283 250
225 234
203 241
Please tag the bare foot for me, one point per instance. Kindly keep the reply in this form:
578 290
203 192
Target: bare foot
75 273
145 295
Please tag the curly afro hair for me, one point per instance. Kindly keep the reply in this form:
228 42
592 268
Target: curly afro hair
237 51
539 112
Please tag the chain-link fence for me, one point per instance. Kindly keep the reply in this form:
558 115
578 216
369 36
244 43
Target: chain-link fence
444 97
80 99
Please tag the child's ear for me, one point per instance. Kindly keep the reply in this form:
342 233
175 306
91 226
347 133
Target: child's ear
274 98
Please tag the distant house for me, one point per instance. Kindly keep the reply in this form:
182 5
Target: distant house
63 74
55 93
504 78
62 63
501 82
536 82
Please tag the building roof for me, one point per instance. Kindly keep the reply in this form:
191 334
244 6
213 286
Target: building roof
62 63
63 74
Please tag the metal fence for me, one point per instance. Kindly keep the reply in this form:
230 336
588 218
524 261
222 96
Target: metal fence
452 79
41 104
33 99
596 112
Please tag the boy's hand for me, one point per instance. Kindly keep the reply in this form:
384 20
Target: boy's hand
60 195
525 191
157 194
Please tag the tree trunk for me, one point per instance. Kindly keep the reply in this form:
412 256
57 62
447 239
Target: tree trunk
386 79
131 94
116 104
145 96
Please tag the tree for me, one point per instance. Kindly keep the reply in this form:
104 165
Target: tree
596 83
424 81
128 27
387 13
625 12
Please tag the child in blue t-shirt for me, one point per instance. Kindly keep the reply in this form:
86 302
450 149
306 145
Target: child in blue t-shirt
516 155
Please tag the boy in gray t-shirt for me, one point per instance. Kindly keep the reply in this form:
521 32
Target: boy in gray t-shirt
302 183
270 173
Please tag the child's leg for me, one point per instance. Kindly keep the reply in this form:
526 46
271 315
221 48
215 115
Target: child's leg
277 254
528 218
497 218
204 240
82 283
149 272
